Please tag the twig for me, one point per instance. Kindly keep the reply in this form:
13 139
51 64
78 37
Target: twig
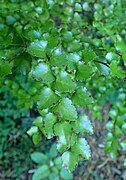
103 164
102 63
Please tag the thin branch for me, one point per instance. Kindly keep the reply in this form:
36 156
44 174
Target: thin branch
102 63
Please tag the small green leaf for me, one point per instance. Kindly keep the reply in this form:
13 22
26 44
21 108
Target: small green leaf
33 34
64 133
124 57
82 97
109 125
118 131
121 46
5 67
70 160
38 48
124 127
123 144
49 122
88 55
38 121
66 110
41 173
84 72
58 59
72 60
75 46
116 70
36 138
115 146
10 20
109 137
82 148
64 83
32 130
83 125
42 72
66 175
39 158
58 162
105 70
53 151
47 98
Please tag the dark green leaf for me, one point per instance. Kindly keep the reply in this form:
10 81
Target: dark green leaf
84 71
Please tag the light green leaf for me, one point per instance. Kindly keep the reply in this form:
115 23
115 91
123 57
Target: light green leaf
75 46
82 148
39 158
49 122
116 70
112 56
66 110
65 174
42 72
36 138
83 125
54 176
64 83
58 162
124 127
105 70
109 125
72 60
82 97
47 98
32 130
41 173
33 34
38 48
53 151
38 121
123 144
70 160
64 133
121 46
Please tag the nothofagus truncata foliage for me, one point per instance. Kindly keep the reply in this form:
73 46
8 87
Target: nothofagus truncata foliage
65 50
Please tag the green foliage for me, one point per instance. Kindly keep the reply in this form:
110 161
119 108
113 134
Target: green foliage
58 48
116 126
49 165
14 143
